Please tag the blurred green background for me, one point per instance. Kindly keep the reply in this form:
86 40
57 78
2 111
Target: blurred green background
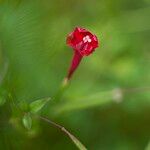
107 103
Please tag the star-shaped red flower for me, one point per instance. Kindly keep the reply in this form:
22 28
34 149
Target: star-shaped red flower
84 43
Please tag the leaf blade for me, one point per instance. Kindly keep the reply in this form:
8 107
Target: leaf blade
27 121
37 105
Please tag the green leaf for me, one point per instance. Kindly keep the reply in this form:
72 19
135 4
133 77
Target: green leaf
148 146
27 121
38 105
96 99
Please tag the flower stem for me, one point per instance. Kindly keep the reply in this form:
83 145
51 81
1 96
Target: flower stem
74 64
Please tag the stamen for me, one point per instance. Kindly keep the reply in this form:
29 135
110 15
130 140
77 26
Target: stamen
87 39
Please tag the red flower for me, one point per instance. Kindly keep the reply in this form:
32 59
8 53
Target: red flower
84 43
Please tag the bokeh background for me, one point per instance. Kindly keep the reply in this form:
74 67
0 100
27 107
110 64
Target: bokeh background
107 103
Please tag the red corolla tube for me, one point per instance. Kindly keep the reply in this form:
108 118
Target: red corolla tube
83 43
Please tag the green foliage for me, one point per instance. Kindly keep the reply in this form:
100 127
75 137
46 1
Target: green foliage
27 121
148 146
37 105
85 102
24 106
99 105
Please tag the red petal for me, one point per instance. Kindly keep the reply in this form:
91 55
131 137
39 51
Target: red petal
74 64
75 40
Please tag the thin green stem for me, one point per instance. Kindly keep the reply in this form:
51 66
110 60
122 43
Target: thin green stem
64 130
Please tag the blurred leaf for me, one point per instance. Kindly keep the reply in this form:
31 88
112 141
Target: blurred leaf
38 105
27 121
87 101
148 146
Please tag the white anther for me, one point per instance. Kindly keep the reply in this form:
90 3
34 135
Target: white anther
87 39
